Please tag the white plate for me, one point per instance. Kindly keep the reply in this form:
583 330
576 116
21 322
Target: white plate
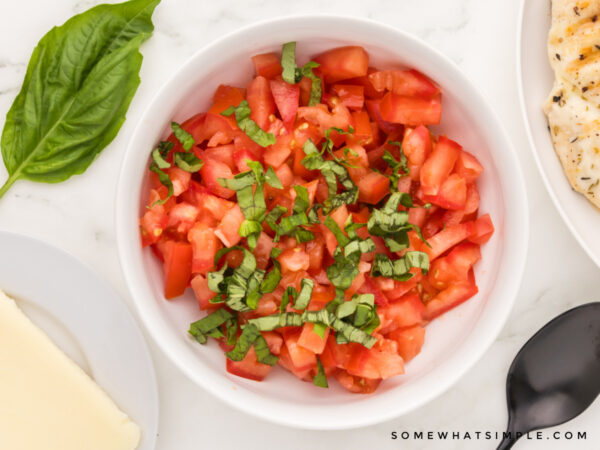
535 78
86 319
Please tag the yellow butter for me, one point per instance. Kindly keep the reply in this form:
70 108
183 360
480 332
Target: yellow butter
46 401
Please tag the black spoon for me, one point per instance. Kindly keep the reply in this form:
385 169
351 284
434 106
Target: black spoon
556 375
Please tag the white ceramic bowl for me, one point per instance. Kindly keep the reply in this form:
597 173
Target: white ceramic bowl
453 343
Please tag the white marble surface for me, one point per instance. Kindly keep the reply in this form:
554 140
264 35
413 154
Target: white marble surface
78 215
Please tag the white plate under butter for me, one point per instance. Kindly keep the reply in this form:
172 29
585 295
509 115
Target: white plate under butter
87 320
535 78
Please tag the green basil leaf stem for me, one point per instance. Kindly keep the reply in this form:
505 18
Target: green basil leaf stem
320 379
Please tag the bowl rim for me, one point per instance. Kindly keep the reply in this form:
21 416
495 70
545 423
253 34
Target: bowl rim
459 362
550 189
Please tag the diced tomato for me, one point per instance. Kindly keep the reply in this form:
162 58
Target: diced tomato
276 154
241 158
287 97
203 293
370 286
411 111
302 358
267 65
227 230
483 228
285 175
261 102
222 153
342 63
311 340
216 123
405 312
211 171
205 245
374 108
210 205
404 82
356 385
452 296
274 341
402 287
352 96
468 166
180 179
417 145
293 260
454 267
285 361
262 252
439 165
373 187
177 267
339 117
225 96
154 220
182 216
363 132
452 193
380 361
417 216
472 202
448 238
410 341
249 367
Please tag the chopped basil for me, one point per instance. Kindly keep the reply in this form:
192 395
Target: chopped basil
320 379
272 279
251 336
292 225
343 271
203 327
399 168
158 164
249 191
399 269
288 62
158 159
249 126
303 299
188 162
333 173
165 181
292 74
185 138
336 230
272 179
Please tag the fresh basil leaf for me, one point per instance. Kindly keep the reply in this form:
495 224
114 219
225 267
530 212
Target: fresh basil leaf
399 168
289 293
275 252
201 328
232 328
399 269
215 280
249 126
319 329
343 271
303 299
274 215
333 173
302 201
303 235
79 83
288 62
244 341
188 162
316 86
332 225
272 279
272 179
158 159
320 379
164 180
263 354
249 227
185 139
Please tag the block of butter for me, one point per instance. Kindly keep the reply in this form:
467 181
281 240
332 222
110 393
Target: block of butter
46 400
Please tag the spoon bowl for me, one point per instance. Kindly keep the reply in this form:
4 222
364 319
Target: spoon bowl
556 375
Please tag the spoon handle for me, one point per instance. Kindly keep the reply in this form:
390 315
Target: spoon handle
507 442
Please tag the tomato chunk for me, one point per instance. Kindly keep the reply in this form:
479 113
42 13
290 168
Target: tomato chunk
411 111
373 187
342 63
311 340
439 165
260 100
409 340
483 228
177 267
404 82
211 172
249 367
205 246
287 97
448 238
267 65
